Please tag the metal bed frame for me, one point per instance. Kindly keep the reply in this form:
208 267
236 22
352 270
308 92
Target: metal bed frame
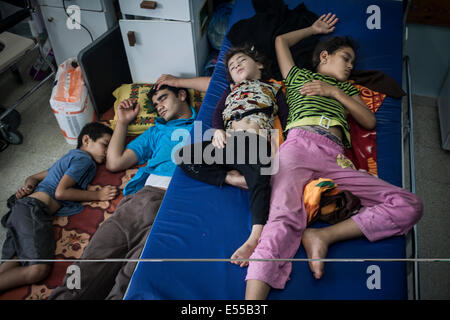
408 174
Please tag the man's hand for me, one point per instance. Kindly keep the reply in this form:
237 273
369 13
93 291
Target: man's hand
325 24
168 80
107 193
220 138
125 111
319 88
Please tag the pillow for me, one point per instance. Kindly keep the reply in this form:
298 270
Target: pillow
147 114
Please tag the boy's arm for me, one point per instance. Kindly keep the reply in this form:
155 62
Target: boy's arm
197 83
66 191
117 157
30 184
323 25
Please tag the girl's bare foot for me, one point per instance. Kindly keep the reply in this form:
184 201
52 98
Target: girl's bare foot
244 252
316 247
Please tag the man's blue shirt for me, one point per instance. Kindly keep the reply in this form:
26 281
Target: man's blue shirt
155 146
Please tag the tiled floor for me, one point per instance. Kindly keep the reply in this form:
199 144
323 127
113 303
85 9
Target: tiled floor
433 186
43 144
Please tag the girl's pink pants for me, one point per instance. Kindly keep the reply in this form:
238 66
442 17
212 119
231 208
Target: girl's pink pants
387 210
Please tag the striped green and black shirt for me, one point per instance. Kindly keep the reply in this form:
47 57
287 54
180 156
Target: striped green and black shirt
308 110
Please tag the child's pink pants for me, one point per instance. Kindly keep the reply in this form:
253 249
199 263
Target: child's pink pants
387 210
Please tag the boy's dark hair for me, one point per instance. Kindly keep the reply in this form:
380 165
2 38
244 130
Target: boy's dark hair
250 51
94 130
175 90
330 45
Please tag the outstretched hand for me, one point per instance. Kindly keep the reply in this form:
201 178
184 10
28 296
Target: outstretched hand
127 110
325 24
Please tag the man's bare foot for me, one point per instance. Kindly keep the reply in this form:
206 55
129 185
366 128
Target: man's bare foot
316 247
244 252
235 178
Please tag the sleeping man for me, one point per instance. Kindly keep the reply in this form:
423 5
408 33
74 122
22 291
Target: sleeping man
123 235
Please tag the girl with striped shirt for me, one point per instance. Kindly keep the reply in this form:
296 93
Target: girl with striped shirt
317 132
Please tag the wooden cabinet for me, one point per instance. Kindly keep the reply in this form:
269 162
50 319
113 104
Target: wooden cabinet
166 36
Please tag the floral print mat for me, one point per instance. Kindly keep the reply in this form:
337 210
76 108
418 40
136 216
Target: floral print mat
72 235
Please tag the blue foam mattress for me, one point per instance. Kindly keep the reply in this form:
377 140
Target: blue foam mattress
199 221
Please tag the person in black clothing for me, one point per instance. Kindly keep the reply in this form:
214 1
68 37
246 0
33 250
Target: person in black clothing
240 151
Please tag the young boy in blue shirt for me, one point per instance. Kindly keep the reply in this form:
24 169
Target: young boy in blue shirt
123 235
56 191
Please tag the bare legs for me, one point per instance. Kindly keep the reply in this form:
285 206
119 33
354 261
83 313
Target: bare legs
246 250
235 178
316 243
12 274
256 290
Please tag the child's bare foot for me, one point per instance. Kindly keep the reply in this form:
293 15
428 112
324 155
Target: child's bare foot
244 252
316 247
235 178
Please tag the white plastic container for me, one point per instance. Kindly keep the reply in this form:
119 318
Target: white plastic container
70 101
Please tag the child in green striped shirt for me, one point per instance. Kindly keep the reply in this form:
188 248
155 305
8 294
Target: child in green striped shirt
318 105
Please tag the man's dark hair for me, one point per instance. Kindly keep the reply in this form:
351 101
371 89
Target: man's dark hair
94 130
175 90
330 45
250 51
